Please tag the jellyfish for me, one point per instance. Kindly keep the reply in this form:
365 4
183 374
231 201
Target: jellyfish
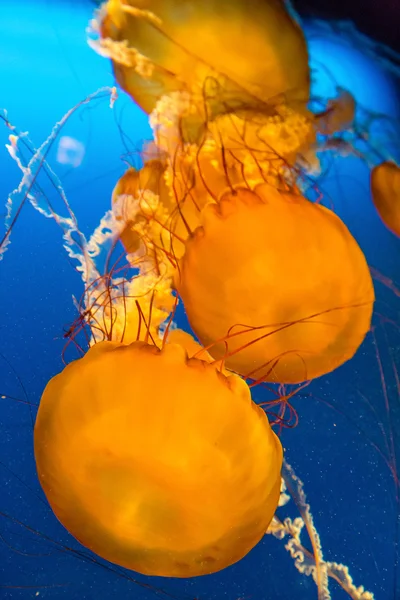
157 462
275 285
244 155
158 47
338 115
272 284
385 188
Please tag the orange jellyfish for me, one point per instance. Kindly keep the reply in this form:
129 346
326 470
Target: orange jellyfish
162 46
275 285
155 461
385 188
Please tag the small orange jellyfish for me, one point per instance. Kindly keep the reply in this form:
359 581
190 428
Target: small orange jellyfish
156 461
275 285
385 188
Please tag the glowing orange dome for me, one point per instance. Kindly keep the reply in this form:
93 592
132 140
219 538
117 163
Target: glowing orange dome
157 462
385 187
276 285
162 46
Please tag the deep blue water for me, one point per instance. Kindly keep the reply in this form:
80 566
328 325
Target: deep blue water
347 419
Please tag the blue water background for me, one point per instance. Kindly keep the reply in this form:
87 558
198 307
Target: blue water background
45 68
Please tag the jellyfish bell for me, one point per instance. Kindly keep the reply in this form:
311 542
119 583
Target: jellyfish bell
161 46
385 189
157 462
275 285
339 114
